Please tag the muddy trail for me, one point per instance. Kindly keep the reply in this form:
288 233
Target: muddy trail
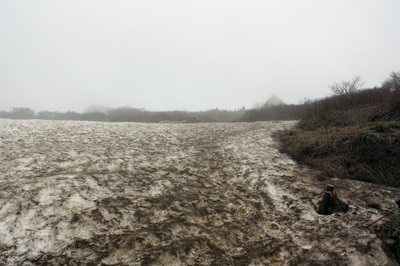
173 194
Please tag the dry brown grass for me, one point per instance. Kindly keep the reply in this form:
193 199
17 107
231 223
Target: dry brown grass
368 152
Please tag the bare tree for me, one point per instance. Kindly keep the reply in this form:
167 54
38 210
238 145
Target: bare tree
392 83
347 87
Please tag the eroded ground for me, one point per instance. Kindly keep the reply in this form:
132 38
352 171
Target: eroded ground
172 194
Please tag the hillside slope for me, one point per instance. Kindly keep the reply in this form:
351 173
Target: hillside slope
355 137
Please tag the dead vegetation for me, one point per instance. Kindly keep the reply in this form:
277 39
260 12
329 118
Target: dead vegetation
368 152
355 136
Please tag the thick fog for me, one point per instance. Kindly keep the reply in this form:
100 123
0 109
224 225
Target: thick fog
189 55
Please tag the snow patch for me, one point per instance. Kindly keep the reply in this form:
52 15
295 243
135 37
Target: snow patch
172 194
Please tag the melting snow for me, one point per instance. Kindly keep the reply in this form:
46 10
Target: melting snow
172 194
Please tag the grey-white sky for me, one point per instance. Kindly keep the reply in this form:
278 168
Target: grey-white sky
189 54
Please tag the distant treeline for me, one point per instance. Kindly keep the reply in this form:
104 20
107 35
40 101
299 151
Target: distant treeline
347 95
312 113
128 114
268 113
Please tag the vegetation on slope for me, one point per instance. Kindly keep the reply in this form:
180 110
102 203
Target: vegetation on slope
354 134
359 141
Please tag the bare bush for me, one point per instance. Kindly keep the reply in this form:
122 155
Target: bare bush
347 87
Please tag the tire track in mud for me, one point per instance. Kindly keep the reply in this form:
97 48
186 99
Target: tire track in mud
140 194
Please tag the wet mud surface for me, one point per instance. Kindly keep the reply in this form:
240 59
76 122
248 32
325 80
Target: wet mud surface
173 194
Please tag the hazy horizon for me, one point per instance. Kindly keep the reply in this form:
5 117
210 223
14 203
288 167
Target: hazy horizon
189 55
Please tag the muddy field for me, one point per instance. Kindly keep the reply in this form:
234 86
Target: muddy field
173 194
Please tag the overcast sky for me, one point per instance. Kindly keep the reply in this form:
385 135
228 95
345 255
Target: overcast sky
189 54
